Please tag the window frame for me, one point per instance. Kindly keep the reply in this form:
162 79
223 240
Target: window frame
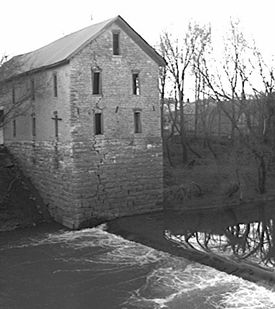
98 123
14 128
116 43
2 115
136 83
13 94
33 125
97 72
32 89
137 121
55 89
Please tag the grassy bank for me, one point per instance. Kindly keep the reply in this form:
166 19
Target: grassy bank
223 175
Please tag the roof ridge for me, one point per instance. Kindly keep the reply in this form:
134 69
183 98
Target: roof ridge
69 34
63 49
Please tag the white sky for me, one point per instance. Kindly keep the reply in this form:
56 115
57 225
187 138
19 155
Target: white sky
26 25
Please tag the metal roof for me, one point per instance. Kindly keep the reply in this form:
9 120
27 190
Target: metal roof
65 48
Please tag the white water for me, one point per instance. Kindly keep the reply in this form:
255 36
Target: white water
94 269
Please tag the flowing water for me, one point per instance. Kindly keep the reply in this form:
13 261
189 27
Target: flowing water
51 267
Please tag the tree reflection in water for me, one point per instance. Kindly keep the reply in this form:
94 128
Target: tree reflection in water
251 241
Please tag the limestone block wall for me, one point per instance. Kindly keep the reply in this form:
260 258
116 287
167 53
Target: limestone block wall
82 175
118 178
50 167
101 180
120 171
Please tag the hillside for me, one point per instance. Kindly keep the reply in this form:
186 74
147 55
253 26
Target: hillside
20 203
223 175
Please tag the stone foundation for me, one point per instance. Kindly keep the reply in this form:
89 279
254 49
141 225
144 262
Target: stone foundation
85 182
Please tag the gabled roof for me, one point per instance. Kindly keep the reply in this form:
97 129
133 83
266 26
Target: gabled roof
63 49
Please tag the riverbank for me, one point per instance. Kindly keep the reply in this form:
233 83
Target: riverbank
21 206
149 229
20 202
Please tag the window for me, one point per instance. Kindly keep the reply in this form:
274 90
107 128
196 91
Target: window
33 125
13 94
32 90
116 49
98 124
14 127
1 117
55 84
136 88
96 82
137 121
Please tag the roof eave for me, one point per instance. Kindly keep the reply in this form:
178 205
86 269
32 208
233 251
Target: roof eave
46 67
146 47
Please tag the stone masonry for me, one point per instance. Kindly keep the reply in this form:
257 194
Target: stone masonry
84 176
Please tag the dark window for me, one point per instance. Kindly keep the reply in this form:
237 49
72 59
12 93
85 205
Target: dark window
96 80
55 84
137 122
136 88
13 94
116 48
1 117
98 123
33 125
14 127
32 90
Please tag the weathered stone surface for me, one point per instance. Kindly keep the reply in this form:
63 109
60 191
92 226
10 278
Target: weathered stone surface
83 176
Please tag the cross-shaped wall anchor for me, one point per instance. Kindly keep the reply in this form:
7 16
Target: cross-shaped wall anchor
56 119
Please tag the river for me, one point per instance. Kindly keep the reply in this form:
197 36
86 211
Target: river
51 267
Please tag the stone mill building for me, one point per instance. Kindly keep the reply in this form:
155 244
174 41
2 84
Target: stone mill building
83 119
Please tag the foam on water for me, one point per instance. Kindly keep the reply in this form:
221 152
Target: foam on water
168 282
197 286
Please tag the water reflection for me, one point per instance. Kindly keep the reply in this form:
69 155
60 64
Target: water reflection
244 233
91 268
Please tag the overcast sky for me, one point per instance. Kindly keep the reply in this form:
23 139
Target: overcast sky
26 25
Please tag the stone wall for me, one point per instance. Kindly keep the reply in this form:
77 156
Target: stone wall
42 106
101 180
120 171
117 178
85 177
50 167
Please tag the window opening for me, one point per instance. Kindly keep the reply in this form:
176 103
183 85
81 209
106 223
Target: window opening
137 122
55 85
1 118
116 48
33 125
32 90
96 79
13 94
14 127
98 123
136 88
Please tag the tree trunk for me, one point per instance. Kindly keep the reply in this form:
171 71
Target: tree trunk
182 131
162 115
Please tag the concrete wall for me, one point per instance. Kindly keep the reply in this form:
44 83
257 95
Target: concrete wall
81 175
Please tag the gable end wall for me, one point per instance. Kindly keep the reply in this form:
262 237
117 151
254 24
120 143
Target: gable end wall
120 172
85 177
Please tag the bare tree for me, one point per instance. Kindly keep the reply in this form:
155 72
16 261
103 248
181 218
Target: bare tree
202 48
231 84
179 55
18 87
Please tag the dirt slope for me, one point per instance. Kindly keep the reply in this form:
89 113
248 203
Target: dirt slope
20 203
